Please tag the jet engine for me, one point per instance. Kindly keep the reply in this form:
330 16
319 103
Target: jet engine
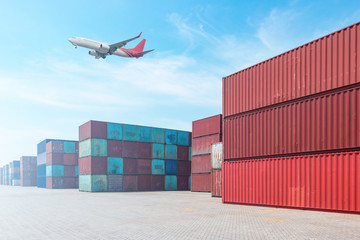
103 48
97 55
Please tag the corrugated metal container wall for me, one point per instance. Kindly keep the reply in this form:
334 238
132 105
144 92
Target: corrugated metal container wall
323 64
324 123
216 155
216 185
201 182
207 126
326 181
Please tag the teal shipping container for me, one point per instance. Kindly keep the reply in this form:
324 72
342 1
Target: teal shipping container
55 171
69 147
115 131
115 165
171 152
170 183
158 135
93 147
130 132
183 138
170 136
93 183
158 151
144 134
158 167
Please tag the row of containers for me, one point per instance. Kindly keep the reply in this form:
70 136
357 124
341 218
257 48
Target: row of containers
108 157
207 155
291 127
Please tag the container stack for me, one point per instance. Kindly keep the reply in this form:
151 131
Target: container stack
205 131
28 171
7 175
216 166
291 127
62 164
14 173
122 157
1 176
41 163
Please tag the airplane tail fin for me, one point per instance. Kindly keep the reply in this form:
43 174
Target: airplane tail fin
140 46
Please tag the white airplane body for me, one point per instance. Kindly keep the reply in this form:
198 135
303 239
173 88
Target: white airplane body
101 50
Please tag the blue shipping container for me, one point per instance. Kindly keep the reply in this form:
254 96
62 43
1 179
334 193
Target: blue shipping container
41 147
41 170
144 134
183 138
158 167
115 131
115 165
157 135
158 151
170 136
77 171
170 183
41 182
130 132
170 167
171 152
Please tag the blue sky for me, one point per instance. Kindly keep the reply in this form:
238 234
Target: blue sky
48 88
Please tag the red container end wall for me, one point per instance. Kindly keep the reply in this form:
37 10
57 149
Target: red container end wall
323 123
323 182
207 126
321 65
201 182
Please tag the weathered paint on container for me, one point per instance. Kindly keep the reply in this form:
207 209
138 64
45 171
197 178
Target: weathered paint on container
170 136
216 179
202 145
115 183
69 147
144 150
70 159
157 182
326 63
130 166
54 182
93 129
85 183
158 135
54 158
216 155
144 166
98 183
130 132
183 168
158 167
170 167
170 183
70 182
54 171
114 165
201 164
324 181
170 152
144 182
130 149
158 151
144 134
207 126
115 131
115 148
130 183
201 182
183 138
55 147
93 165
322 123
93 147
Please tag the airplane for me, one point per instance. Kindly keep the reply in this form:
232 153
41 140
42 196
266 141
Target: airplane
101 50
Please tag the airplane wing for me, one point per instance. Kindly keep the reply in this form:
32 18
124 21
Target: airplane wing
115 46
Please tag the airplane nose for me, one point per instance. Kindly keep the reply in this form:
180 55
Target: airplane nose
70 40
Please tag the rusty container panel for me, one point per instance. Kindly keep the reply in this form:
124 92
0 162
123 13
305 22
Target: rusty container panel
326 63
207 126
130 183
183 182
202 145
93 165
323 181
323 123
93 129
144 183
144 166
201 182
55 146
216 183
201 164
216 155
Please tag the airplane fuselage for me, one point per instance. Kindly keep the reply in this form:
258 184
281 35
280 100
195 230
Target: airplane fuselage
102 49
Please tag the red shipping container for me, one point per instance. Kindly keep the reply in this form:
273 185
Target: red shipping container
54 182
183 153
114 148
201 182
69 171
130 166
201 164
207 126
70 159
144 150
323 123
202 145
323 182
144 182
130 183
70 182
143 166
183 168
321 65
216 183
130 149
55 147
157 182
93 129
92 165
182 182
54 159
